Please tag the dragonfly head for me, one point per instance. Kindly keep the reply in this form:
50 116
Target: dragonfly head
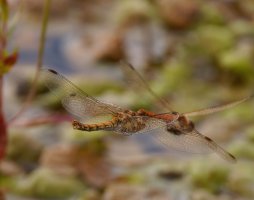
185 123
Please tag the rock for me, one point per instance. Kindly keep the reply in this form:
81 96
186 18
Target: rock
110 47
86 158
94 168
9 168
133 192
45 183
60 158
23 149
247 8
93 11
94 45
201 172
168 170
2 195
57 8
178 13
171 175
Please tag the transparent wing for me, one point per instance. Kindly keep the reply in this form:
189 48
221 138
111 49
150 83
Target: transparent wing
150 124
215 147
137 81
215 109
74 100
192 142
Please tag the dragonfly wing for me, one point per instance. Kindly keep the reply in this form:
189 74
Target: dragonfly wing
215 109
149 124
138 82
74 100
215 147
192 142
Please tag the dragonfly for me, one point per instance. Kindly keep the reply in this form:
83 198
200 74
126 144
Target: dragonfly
173 129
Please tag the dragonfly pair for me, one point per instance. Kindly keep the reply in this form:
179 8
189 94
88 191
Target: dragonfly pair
172 129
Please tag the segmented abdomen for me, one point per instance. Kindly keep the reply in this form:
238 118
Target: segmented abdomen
95 127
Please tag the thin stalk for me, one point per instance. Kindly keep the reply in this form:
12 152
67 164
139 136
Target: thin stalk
32 91
3 129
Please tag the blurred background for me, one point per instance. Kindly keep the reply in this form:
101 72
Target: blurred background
195 54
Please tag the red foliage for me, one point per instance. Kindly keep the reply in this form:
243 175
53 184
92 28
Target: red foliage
3 136
11 59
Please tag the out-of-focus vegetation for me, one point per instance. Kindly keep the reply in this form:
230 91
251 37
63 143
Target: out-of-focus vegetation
7 59
195 54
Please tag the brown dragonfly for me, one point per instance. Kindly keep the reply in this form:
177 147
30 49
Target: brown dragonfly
174 130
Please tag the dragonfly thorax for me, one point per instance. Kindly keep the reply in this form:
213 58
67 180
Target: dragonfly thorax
129 124
181 125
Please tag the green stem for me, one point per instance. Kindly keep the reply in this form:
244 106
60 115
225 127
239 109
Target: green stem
32 91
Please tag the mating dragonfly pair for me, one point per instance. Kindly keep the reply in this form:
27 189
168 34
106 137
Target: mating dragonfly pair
172 129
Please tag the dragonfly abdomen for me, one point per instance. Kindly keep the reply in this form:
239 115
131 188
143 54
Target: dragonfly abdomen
94 127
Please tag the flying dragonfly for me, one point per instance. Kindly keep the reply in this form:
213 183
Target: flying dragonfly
174 130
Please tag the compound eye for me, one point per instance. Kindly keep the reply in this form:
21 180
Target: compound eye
174 131
175 113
